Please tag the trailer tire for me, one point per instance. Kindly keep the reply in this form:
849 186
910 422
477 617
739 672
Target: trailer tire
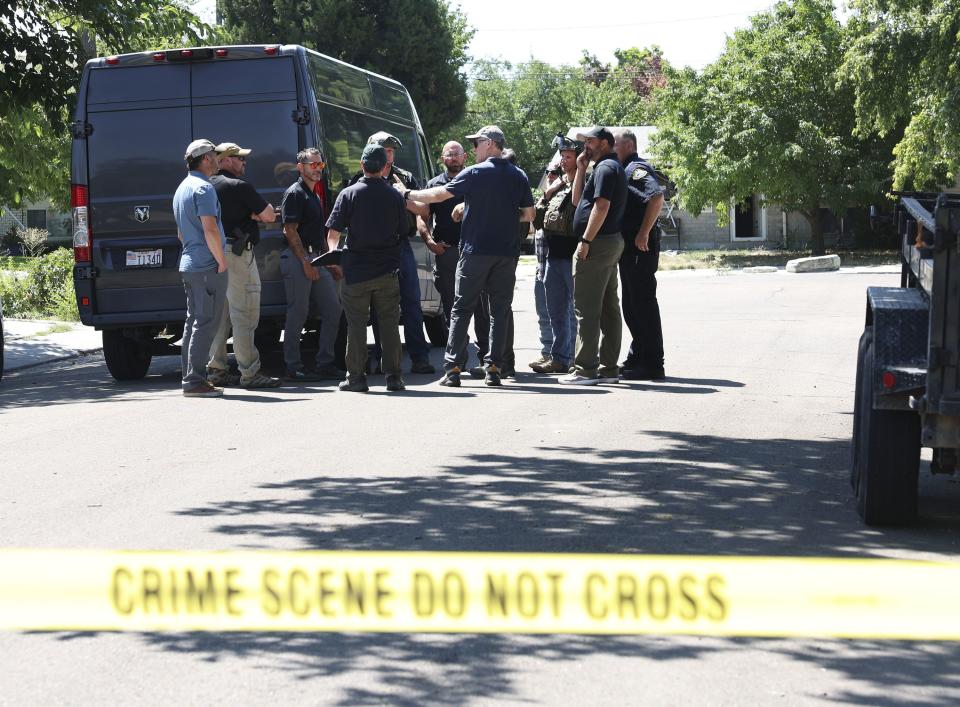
866 339
127 359
888 456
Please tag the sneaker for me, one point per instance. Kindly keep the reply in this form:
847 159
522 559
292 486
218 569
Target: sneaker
608 379
492 377
509 373
577 379
328 372
422 365
220 377
299 376
203 390
542 361
478 372
552 366
451 378
354 384
644 373
258 380
395 384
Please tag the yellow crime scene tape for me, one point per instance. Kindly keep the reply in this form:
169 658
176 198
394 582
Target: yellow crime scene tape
477 593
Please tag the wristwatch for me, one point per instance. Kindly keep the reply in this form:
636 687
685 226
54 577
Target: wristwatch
406 194
584 240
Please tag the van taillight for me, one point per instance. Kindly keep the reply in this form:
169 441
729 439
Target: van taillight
270 51
79 203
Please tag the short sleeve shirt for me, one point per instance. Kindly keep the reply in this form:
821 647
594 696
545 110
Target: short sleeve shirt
494 191
238 199
375 213
642 185
444 227
607 182
302 206
196 197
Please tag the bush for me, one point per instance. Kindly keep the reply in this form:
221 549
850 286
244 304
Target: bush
44 289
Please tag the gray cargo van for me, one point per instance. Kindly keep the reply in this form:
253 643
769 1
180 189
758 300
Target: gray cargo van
136 113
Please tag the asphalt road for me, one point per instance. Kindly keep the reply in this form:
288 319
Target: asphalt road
742 451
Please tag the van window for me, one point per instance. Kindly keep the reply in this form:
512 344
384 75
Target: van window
391 99
345 134
138 83
248 77
340 82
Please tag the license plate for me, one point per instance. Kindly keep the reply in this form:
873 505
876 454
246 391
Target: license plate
145 258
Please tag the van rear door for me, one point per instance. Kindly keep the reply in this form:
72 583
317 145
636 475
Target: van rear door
141 120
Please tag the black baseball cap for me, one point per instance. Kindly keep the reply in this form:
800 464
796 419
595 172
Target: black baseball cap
597 131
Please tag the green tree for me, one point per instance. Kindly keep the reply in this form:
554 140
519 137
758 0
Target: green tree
904 68
421 43
43 47
768 117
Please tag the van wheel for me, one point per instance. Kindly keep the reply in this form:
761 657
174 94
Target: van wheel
865 340
127 359
887 458
436 330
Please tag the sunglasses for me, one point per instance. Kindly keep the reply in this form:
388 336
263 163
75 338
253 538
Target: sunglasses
314 165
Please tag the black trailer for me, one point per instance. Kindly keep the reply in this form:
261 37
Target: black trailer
908 365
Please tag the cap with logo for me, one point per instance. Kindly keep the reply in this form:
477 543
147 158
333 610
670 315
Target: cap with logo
231 149
491 132
197 148
597 131
385 140
374 158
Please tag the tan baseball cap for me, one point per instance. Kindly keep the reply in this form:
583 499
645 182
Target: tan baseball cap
232 149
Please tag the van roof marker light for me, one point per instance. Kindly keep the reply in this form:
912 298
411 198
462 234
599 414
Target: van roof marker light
159 56
270 51
186 53
113 60
221 53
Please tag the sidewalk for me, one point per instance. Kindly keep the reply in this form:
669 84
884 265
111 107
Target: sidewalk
31 342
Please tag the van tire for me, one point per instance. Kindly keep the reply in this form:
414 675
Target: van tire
866 339
437 330
887 458
127 359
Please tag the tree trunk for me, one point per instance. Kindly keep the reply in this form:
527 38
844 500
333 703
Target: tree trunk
817 246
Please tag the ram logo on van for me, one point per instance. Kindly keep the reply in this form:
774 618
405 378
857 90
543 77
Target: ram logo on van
141 213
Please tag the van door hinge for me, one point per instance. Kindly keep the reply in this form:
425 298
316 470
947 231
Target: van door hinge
301 116
81 129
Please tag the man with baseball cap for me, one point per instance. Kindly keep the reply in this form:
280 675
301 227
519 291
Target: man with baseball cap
497 197
203 265
417 347
600 200
242 209
375 215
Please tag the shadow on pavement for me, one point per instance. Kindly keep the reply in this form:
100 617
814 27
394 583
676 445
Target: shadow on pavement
695 494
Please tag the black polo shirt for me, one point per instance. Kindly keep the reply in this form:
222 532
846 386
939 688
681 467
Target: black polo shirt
375 213
609 182
406 179
642 185
238 199
302 207
444 227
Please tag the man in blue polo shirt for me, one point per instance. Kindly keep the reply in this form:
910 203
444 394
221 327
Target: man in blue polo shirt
203 265
496 198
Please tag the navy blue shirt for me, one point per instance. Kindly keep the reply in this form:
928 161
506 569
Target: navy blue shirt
301 206
609 182
444 227
642 185
375 213
494 191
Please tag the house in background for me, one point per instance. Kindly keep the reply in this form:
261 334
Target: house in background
752 223
38 215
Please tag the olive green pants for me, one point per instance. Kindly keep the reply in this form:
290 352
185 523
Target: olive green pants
383 294
597 308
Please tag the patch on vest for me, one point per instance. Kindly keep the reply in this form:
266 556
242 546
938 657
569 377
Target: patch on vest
638 174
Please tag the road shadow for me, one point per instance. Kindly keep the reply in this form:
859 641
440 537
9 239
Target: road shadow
689 494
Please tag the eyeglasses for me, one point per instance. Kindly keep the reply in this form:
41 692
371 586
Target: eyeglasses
314 165
242 159
477 140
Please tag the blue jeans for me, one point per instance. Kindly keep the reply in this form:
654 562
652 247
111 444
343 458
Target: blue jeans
413 336
558 289
540 298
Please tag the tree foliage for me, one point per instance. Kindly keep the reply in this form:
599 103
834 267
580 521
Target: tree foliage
421 43
904 68
768 117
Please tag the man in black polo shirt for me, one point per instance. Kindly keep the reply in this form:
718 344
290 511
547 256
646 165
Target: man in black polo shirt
496 198
375 214
241 207
596 222
303 227
440 232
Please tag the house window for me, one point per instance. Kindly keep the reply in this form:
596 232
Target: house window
36 218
